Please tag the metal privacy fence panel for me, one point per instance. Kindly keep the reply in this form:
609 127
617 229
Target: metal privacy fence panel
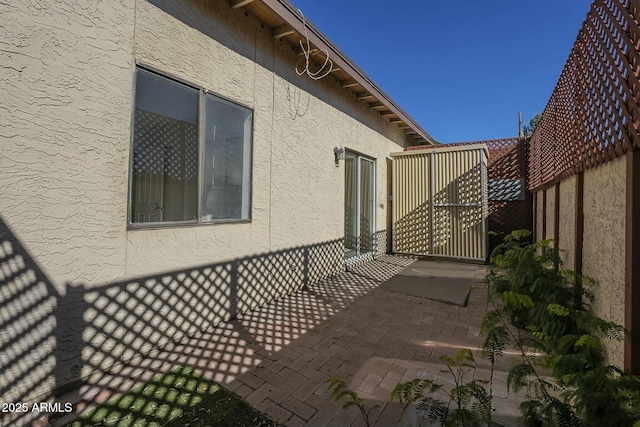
412 211
440 202
509 202
593 115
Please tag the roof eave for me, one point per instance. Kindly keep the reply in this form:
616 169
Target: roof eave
372 93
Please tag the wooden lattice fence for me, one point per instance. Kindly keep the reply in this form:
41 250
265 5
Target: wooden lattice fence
593 115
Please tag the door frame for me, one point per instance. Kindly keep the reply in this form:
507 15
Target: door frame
360 256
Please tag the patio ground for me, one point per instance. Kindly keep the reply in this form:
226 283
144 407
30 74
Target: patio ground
278 357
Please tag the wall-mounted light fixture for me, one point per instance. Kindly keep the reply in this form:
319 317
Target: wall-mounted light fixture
339 154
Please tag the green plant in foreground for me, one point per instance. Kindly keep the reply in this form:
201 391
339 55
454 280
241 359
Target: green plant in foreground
468 405
340 391
544 312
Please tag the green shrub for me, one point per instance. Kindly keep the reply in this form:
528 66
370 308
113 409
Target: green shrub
544 312
468 403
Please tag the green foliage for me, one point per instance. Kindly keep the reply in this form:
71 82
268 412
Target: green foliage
544 313
555 333
413 391
469 403
340 391
533 123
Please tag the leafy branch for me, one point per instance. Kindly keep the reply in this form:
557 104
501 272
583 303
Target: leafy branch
340 391
544 312
469 403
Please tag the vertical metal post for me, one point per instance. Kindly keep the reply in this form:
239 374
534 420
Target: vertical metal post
432 190
483 200
393 203
358 207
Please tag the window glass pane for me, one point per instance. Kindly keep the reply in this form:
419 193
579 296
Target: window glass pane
227 161
165 151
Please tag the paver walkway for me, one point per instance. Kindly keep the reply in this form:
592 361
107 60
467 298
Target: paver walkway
278 357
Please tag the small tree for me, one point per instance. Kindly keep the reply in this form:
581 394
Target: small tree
528 129
562 363
467 404
340 391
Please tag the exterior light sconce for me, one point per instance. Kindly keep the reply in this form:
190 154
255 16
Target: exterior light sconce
339 154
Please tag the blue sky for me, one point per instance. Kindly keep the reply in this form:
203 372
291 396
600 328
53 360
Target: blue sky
462 69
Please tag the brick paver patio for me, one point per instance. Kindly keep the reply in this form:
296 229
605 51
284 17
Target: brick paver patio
278 357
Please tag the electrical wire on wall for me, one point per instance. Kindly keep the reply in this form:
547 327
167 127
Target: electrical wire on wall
325 69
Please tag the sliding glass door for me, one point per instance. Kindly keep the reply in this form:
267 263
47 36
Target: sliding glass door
359 206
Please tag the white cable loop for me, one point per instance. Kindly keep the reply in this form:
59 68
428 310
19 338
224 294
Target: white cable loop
317 75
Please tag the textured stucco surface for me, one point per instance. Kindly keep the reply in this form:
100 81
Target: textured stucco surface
66 106
539 215
98 293
567 228
551 203
604 243
603 238
297 191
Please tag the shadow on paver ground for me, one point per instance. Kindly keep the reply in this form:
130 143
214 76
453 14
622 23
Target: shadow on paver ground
278 357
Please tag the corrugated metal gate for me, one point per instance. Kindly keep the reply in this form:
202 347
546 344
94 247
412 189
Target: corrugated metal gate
440 202
509 202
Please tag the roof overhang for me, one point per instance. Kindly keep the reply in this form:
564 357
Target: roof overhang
287 23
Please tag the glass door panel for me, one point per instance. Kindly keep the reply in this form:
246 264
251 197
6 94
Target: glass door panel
351 206
366 205
359 205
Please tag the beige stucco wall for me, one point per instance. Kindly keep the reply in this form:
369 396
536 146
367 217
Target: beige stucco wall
294 133
96 292
604 243
550 217
65 112
567 225
603 238
539 215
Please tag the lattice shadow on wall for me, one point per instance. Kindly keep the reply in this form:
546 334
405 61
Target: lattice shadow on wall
509 206
53 340
456 209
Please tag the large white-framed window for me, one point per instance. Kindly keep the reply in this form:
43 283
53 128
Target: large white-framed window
191 155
